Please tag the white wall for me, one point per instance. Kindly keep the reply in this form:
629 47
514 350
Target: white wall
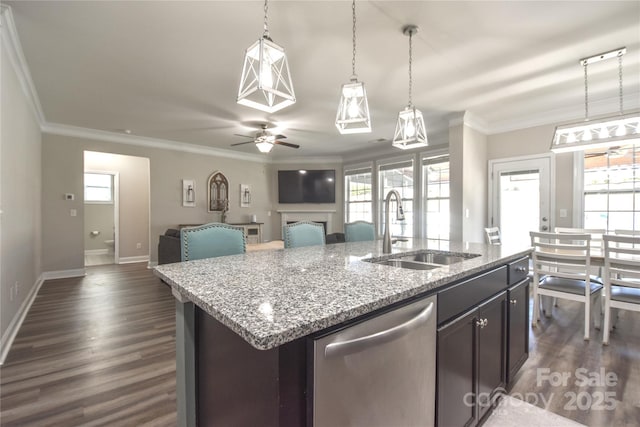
20 192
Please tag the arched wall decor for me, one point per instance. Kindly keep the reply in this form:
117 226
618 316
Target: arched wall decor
218 189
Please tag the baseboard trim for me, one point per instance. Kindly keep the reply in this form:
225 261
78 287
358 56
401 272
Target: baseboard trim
152 264
96 251
133 259
64 274
16 322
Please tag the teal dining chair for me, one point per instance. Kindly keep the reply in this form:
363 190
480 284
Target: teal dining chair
211 240
303 233
359 231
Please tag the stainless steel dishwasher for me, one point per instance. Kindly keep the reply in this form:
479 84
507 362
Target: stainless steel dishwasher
380 372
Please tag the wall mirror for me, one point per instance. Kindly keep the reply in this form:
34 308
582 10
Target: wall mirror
218 189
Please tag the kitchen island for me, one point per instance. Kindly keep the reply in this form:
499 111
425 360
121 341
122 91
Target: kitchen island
244 322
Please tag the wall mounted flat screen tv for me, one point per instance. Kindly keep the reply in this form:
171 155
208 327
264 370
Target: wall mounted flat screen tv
307 186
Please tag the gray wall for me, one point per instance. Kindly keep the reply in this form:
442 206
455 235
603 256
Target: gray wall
62 168
537 140
20 192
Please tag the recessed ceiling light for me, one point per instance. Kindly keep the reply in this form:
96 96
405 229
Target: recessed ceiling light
127 131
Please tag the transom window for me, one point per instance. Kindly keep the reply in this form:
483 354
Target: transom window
612 188
98 188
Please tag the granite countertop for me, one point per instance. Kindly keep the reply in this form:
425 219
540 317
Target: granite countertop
273 297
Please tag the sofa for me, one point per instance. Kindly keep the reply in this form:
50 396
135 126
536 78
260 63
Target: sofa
169 246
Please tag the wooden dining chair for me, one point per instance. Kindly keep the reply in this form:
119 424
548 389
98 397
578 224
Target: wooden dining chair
561 264
621 277
211 240
492 236
303 233
359 231
619 232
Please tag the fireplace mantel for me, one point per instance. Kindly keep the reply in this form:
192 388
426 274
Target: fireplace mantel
321 215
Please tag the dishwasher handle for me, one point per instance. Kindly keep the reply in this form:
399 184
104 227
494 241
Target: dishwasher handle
356 345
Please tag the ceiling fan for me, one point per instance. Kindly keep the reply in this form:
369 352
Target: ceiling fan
265 140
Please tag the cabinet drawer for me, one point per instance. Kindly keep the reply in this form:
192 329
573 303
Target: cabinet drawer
469 293
518 270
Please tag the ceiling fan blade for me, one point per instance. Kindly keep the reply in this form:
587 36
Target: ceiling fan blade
244 136
241 143
280 137
286 144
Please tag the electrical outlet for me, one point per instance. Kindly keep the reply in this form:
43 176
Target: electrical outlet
138 245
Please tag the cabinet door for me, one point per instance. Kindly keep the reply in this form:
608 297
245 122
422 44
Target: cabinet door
457 372
518 328
491 324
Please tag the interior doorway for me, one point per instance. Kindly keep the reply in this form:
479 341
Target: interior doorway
116 208
521 197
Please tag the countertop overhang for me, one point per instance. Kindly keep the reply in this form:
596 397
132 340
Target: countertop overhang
270 298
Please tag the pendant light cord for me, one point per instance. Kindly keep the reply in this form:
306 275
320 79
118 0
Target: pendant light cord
266 24
410 63
620 79
353 58
586 93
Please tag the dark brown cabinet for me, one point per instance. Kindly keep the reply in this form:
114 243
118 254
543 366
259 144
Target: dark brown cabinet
471 363
518 330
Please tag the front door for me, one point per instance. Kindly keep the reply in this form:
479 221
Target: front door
520 198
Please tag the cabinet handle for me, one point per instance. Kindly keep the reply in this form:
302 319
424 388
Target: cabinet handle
513 301
356 345
482 323
521 269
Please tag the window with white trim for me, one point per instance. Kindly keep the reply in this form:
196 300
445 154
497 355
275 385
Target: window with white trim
398 176
435 173
358 195
612 188
98 188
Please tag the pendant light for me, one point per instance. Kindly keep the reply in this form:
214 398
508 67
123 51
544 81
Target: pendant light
410 129
603 133
266 82
353 110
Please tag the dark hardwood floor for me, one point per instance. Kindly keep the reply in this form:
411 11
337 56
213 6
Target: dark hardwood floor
601 385
93 351
100 350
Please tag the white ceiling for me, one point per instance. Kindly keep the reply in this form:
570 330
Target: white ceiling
170 70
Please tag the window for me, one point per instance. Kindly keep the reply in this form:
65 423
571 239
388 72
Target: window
435 172
358 199
398 176
98 188
612 188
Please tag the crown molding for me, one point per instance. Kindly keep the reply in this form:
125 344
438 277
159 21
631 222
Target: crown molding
142 141
307 160
11 43
469 119
602 107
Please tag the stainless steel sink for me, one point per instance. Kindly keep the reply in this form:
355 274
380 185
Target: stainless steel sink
437 257
402 263
424 260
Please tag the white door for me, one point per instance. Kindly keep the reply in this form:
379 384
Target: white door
520 197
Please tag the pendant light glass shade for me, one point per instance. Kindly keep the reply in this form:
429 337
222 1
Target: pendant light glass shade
597 133
353 111
410 129
604 132
266 83
264 146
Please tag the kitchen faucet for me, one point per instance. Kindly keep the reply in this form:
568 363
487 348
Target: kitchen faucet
386 243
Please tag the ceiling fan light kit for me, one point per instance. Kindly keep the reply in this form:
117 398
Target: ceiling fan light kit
601 133
266 82
353 111
410 128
